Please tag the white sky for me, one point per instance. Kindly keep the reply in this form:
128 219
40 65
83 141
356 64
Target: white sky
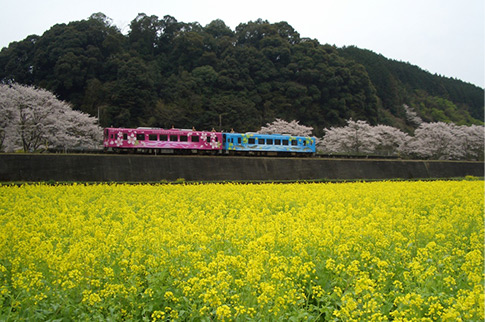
445 37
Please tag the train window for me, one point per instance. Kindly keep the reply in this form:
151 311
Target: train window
238 140
294 142
208 139
184 138
140 137
195 139
277 142
216 139
285 142
260 141
125 136
304 142
269 141
152 137
174 138
251 140
163 137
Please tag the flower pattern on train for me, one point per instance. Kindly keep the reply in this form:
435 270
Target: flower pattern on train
203 137
119 139
132 138
214 144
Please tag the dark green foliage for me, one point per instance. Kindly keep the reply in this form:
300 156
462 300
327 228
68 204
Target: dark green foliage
435 98
167 73
17 61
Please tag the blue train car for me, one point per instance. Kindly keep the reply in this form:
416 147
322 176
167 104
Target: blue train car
267 144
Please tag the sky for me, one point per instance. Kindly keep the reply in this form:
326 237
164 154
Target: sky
444 37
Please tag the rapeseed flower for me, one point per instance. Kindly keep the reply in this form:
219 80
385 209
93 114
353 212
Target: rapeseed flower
365 251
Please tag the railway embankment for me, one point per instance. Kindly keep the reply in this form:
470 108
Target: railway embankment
150 168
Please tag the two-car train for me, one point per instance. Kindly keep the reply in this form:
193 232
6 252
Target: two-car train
161 141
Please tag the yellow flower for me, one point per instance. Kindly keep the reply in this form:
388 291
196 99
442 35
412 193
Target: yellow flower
356 251
158 315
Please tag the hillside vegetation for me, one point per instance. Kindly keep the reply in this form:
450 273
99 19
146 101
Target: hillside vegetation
436 98
164 72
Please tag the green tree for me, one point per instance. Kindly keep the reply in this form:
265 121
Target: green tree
165 72
144 35
134 89
17 61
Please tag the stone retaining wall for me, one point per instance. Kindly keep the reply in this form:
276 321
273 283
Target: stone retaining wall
149 168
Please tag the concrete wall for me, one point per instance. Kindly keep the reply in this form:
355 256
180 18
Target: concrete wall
147 168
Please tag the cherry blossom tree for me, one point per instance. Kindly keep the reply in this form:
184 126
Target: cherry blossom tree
7 116
34 119
443 141
446 141
430 141
389 138
411 116
474 142
355 138
280 126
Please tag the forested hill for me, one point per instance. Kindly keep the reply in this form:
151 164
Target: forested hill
165 72
434 97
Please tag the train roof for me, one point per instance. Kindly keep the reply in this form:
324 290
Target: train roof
263 134
158 129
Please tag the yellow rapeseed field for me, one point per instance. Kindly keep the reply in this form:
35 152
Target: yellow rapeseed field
352 251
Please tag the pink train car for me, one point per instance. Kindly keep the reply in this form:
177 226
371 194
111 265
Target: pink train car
124 139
